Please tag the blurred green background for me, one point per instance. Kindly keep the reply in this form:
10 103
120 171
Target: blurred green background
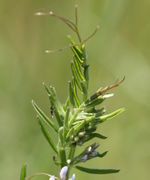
121 47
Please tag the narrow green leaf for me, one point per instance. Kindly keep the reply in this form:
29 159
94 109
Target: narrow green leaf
66 122
75 114
75 75
47 89
82 124
58 108
71 98
59 118
85 90
79 126
80 59
70 133
84 57
100 112
92 103
86 73
43 116
47 136
111 115
56 102
93 96
71 40
91 129
78 69
66 105
97 171
95 135
75 93
76 50
98 135
102 154
23 172
60 133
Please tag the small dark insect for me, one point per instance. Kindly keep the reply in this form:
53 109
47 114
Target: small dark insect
52 111
54 158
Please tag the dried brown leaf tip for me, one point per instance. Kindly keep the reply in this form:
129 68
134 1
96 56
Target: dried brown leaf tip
112 86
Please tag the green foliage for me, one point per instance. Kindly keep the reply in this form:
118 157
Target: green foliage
78 118
23 172
47 136
43 117
97 171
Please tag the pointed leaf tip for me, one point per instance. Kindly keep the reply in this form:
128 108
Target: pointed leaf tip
47 136
23 172
44 117
97 171
111 115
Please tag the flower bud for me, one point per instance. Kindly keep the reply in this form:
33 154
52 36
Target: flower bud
63 173
73 177
76 139
81 134
52 178
84 158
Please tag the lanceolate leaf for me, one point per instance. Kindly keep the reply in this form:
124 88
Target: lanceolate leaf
79 69
47 136
71 98
79 58
77 80
66 122
84 89
66 105
75 93
56 102
111 115
102 154
23 172
43 116
76 51
97 171
95 102
70 133
86 73
95 135
98 135
58 108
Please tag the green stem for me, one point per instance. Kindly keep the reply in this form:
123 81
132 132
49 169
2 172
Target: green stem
61 149
70 157
40 174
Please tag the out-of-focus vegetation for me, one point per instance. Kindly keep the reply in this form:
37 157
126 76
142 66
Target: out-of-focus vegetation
121 47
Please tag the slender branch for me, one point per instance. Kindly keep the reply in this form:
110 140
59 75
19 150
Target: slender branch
90 36
107 88
68 22
76 15
40 174
70 46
